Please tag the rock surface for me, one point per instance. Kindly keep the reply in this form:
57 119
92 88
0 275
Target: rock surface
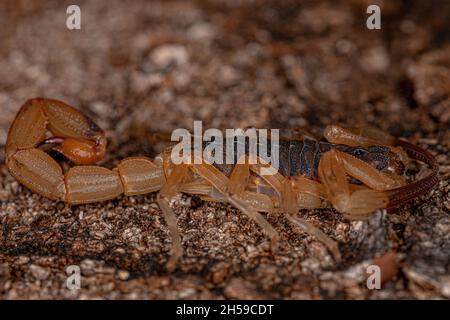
146 66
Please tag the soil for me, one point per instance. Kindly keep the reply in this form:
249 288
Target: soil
153 66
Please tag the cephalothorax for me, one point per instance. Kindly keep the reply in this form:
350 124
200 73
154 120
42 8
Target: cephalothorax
357 171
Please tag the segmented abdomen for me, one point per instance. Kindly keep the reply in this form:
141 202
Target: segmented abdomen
296 157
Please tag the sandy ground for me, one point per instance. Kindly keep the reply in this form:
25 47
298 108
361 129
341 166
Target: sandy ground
147 66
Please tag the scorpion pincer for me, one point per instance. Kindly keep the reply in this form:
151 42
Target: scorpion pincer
356 170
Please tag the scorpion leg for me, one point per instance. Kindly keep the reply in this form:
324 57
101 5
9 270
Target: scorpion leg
140 175
239 177
282 186
260 202
238 183
171 220
290 202
293 194
275 180
169 190
333 169
198 187
308 201
310 229
311 194
221 183
308 186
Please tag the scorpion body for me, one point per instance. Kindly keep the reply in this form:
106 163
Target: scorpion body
302 157
357 170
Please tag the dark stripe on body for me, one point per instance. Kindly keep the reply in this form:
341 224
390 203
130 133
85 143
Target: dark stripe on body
296 157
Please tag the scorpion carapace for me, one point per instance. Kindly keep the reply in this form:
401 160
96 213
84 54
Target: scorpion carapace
357 170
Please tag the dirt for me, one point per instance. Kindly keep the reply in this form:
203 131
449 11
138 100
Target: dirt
145 66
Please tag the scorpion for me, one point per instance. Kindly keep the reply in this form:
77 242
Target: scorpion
355 170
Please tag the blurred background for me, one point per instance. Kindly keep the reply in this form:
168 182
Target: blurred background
140 66
231 63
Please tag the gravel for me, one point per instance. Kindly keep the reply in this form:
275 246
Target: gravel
145 66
